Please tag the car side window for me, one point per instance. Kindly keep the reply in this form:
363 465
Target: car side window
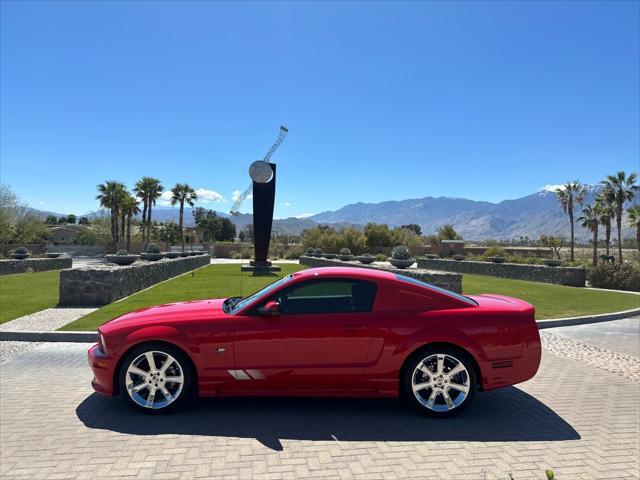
327 296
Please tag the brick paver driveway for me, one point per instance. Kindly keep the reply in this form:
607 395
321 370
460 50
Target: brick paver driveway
579 416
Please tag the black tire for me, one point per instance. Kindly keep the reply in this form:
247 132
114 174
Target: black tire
441 385
183 366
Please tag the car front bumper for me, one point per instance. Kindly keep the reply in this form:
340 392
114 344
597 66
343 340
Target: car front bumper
103 367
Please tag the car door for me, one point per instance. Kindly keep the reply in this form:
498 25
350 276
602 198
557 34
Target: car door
318 341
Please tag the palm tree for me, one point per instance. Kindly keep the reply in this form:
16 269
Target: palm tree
130 209
141 189
633 220
623 189
110 195
182 193
568 195
148 189
591 219
605 200
155 192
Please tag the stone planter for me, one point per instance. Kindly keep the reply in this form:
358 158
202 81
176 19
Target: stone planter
458 257
172 254
330 256
53 254
497 259
366 260
552 262
153 257
122 259
431 256
20 256
402 263
184 254
345 258
106 283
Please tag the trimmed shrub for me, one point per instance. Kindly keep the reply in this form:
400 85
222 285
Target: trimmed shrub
381 257
122 252
345 251
400 252
317 251
152 248
309 251
494 252
21 250
615 276
294 252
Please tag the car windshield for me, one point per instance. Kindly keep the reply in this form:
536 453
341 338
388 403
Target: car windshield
235 304
436 289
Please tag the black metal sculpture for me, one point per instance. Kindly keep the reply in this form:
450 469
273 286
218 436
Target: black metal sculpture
263 186
264 195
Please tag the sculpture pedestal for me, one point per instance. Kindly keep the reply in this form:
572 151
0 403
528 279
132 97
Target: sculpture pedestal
260 267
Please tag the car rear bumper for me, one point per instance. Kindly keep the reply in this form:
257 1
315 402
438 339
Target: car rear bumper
510 371
103 367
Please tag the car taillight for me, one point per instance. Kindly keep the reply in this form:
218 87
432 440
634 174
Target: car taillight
101 343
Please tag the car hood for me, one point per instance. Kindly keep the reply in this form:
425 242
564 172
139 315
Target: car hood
190 310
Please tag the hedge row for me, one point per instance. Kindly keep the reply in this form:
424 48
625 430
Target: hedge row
615 276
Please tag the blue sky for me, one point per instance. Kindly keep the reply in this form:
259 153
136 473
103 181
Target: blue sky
384 101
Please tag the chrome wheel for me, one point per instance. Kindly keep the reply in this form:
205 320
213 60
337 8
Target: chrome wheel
440 382
154 379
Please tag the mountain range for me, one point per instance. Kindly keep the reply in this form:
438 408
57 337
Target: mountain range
530 216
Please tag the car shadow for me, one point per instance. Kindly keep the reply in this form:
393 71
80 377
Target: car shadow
508 414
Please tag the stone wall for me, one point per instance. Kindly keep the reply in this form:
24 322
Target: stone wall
103 284
34 248
447 280
10 267
571 276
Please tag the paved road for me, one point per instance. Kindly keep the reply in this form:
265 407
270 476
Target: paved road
621 336
574 416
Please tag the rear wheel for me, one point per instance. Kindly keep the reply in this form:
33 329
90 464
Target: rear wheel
155 378
439 381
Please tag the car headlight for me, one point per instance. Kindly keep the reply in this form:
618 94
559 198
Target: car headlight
102 345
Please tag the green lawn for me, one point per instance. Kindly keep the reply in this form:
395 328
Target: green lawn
552 301
27 293
214 281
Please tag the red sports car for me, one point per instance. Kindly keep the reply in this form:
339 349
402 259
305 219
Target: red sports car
339 332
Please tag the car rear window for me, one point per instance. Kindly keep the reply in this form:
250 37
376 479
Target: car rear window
433 288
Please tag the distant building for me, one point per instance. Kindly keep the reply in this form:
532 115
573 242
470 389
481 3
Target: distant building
64 234
452 247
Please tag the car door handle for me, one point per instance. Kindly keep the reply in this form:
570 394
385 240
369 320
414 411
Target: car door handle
354 327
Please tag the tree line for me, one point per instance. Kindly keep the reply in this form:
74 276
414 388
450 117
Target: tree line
124 205
609 205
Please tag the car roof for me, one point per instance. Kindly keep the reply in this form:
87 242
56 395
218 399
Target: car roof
351 272
374 274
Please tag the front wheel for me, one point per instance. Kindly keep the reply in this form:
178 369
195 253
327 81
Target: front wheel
155 378
439 381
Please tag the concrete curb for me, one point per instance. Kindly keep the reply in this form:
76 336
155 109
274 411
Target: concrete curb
604 317
33 336
91 337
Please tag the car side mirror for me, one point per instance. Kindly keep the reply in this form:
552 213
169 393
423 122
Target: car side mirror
270 308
